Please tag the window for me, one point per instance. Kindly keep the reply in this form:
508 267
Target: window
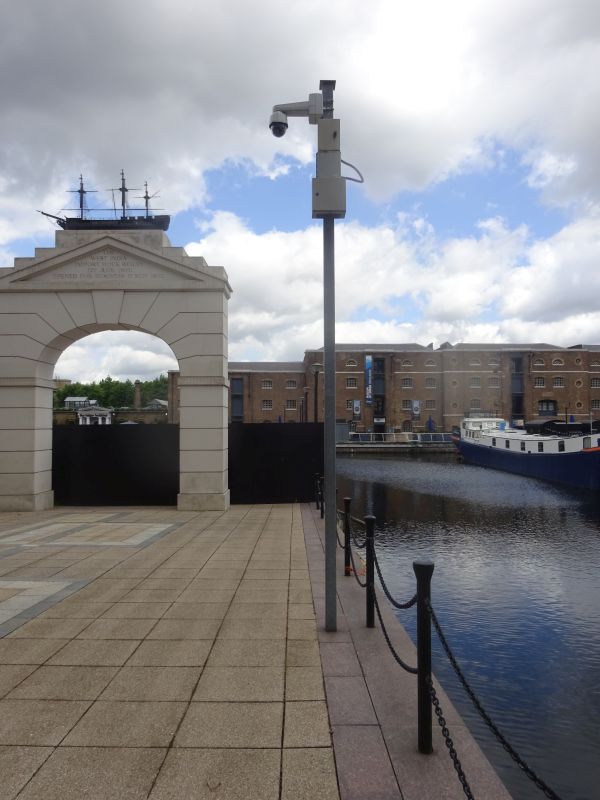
430 383
578 404
493 443
291 384
407 363
475 382
523 446
349 405
237 399
596 405
430 405
579 384
474 362
493 362
507 444
538 362
558 362
540 447
539 383
268 384
547 408
267 405
475 404
430 363
407 405
351 363
351 383
595 383
595 363
561 447
290 405
558 382
494 383
407 383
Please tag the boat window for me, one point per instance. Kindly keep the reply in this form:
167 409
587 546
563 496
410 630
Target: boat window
561 447
540 447
587 442
507 444
493 443
523 446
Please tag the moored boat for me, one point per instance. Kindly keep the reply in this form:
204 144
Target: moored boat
552 450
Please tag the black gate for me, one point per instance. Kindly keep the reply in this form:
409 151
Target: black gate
139 464
115 465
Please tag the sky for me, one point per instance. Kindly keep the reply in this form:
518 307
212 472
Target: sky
475 125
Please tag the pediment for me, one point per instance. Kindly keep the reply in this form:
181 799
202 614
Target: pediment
109 263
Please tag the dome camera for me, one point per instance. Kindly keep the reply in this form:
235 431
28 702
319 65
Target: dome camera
278 124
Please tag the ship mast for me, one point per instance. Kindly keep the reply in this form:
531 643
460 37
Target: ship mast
123 191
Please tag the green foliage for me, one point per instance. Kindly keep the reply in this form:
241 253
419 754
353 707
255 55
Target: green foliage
113 394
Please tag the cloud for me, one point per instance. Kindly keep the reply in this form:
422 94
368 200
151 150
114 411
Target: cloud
170 91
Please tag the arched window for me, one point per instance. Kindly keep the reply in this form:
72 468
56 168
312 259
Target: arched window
558 362
430 363
538 362
475 362
407 363
351 363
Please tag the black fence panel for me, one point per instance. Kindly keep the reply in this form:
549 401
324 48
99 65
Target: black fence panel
115 464
274 463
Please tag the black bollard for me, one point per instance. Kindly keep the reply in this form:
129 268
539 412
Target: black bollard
423 571
347 534
317 490
322 495
370 551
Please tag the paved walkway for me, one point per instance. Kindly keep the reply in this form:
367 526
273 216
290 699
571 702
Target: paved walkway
151 653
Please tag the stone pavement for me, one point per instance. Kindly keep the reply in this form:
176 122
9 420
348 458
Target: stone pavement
155 653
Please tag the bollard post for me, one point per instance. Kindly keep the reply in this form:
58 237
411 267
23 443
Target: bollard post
317 490
322 496
347 544
370 551
423 570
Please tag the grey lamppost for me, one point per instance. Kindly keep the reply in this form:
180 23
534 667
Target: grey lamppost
315 369
328 203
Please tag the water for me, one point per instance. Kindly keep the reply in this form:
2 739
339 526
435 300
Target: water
516 588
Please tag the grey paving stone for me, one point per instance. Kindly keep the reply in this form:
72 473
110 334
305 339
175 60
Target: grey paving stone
239 610
150 595
219 774
303 654
231 725
262 684
308 774
38 722
196 611
169 653
349 702
76 609
12 674
50 629
250 653
64 683
253 629
73 773
136 611
363 764
28 651
17 765
118 629
304 683
152 683
302 629
301 611
306 724
185 629
127 724
339 658
94 653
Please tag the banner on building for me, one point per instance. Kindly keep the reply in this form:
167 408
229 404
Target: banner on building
369 380
356 408
416 409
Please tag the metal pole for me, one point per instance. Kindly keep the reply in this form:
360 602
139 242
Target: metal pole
329 428
370 593
423 571
316 397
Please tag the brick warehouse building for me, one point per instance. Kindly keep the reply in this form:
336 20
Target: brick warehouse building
387 387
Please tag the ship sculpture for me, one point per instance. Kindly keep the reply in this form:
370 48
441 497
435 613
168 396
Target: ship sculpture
124 221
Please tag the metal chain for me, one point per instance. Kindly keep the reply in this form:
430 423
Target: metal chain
486 717
403 606
404 665
354 572
359 545
449 743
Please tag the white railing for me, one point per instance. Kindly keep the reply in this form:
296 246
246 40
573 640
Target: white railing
399 438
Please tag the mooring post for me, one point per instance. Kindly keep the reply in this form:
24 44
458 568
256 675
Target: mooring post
423 570
370 552
322 496
317 490
347 562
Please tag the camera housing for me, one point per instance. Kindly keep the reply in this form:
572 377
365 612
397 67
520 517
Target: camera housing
278 124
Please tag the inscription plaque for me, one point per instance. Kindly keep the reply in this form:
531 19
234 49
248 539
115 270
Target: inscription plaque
105 266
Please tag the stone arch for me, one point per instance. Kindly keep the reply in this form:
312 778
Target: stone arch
111 280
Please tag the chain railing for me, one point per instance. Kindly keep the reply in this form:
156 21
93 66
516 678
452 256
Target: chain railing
427 698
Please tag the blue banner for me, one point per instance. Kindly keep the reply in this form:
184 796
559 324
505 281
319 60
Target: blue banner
369 380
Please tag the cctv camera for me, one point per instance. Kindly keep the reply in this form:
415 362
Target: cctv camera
278 124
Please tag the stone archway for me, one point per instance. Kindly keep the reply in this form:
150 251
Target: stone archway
95 280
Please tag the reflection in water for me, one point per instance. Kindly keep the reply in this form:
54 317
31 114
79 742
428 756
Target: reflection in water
516 588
